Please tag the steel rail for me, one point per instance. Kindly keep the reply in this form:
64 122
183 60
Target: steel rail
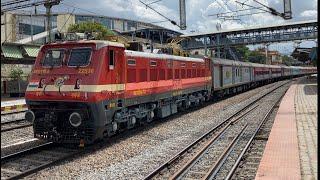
180 154
6 158
11 122
235 166
222 158
16 127
46 165
207 145
37 149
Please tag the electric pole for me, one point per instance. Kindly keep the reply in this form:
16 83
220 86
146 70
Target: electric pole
48 4
182 7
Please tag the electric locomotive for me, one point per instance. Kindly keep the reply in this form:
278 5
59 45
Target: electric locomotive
82 91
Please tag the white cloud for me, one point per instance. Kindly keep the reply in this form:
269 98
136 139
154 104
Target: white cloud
198 12
309 13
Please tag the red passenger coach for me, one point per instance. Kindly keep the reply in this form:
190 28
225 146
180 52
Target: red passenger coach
81 91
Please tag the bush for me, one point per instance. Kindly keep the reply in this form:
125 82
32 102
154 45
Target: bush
16 73
83 27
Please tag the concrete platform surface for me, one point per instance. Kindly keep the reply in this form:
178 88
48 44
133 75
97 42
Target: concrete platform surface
291 151
12 102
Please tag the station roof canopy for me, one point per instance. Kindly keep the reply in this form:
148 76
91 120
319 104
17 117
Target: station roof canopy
14 53
302 54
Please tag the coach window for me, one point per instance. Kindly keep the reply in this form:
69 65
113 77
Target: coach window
131 62
111 59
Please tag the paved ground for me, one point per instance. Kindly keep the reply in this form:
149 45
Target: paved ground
291 151
13 106
12 102
306 117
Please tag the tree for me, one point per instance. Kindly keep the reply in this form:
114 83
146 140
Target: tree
92 27
16 74
287 60
257 57
244 52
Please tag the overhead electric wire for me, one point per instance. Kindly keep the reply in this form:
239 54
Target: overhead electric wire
273 11
82 9
252 6
249 9
231 10
9 6
243 14
154 2
73 6
12 2
158 21
172 21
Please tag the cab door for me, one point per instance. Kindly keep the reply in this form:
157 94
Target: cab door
116 65
116 74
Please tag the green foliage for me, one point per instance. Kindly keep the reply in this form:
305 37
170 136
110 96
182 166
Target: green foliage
251 56
16 73
244 51
256 57
287 60
92 27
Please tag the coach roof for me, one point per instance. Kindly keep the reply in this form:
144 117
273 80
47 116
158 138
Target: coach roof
161 56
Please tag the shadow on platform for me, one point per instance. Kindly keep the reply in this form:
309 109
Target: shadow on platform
310 89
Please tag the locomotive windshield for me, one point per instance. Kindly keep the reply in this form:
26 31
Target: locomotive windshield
53 57
80 57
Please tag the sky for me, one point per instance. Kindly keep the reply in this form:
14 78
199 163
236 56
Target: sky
198 14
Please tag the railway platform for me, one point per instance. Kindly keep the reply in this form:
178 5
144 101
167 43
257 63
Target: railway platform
291 150
9 105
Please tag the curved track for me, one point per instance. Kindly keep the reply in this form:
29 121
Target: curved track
189 164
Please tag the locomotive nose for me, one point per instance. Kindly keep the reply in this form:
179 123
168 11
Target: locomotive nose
75 119
29 116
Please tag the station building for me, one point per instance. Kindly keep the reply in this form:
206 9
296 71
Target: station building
19 25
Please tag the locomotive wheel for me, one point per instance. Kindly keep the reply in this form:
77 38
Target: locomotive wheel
132 121
150 116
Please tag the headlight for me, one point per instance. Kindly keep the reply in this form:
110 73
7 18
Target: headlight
29 116
75 119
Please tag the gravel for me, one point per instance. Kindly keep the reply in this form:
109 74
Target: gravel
138 152
254 120
11 117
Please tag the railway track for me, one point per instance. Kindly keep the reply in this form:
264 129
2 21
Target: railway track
32 160
14 124
26 162
248 161
206 157
13 120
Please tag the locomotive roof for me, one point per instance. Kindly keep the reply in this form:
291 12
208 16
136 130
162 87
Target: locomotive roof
161 56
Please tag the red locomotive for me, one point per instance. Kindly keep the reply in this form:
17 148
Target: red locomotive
81 91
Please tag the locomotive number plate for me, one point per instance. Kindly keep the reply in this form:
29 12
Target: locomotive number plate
85 70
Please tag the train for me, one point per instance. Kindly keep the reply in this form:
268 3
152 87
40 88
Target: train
83 91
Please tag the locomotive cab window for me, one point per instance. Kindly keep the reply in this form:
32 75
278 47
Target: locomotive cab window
53 57
80 57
